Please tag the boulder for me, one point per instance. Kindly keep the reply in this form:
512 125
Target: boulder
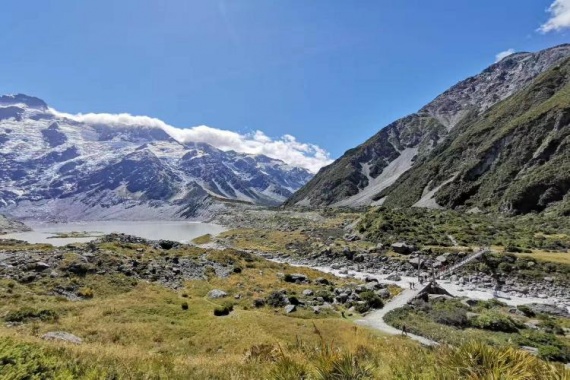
403 248
307 292
41 266
393 277
531 350
296 278
258 303
441 259
383 293
548 309
290 309
217 293
63 336
359 258
372 286
417 261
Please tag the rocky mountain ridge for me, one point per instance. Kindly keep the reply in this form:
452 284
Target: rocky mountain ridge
366 174
52 167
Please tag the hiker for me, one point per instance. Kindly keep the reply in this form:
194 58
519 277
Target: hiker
404 331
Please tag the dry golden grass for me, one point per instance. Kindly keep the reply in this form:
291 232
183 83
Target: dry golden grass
261 240
555 257
204 239
135 321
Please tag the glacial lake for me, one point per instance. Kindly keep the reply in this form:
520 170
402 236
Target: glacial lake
181 231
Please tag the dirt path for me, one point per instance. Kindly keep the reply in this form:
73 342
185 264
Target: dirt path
375 319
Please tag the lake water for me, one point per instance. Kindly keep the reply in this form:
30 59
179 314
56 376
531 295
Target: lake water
175 230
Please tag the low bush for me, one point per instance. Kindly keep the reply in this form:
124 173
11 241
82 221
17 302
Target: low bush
27 314
276 299
225 309
85 293
527 311
325 294
372 300
451 317
494 321
554 353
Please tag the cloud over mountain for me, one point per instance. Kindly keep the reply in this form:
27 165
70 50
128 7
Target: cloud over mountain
559 17
285 148
504 54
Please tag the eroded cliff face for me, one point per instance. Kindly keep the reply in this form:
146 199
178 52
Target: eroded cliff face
367 174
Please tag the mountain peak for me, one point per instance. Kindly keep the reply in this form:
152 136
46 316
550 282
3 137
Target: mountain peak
24 101
364 175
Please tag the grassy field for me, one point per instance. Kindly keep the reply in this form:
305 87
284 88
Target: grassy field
554 257
133 329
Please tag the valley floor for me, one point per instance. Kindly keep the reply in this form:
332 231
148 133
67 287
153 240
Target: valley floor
280 295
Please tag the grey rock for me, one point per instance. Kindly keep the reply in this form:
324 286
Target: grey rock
532 350
63 336
217 293
403 248
290 309
394 277
41 266
383 293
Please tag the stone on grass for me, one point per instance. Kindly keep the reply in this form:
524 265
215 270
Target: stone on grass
403 248
290 309
217 293
63 336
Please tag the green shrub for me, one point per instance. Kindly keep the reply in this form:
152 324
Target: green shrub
325 294
494 321
554 353
490 304
276 299
26 314
361 308
85 293
550 325
344 366
288 369
450 317
505 267
527 311
372 300
225 309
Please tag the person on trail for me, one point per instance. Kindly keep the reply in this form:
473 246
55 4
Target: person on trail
404 331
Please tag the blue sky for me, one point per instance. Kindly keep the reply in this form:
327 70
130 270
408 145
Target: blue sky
330 73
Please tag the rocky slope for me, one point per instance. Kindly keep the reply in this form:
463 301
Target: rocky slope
514 158
53 167
367 174
8 225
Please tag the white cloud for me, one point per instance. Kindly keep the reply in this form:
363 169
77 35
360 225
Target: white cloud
285 148
559 17
504 54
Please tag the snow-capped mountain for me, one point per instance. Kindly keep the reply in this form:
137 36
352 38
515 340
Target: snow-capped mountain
55 167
